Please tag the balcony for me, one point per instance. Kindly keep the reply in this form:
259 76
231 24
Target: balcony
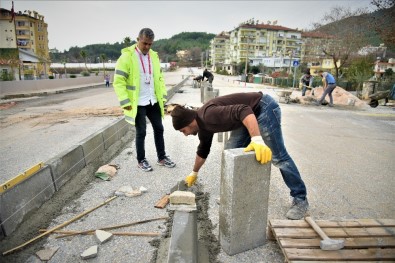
22 27
23 43
22 36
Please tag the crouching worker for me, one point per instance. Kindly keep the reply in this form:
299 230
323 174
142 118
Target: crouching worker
254 119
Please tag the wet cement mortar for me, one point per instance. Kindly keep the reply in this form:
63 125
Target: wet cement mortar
204 227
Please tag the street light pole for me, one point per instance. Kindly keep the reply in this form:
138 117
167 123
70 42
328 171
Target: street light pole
98 68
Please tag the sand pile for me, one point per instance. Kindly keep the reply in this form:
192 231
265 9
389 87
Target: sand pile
340 97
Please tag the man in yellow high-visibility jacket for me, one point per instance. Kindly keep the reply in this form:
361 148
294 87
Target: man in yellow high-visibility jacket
140 87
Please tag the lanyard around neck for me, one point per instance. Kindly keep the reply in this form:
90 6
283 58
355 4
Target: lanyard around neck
142 63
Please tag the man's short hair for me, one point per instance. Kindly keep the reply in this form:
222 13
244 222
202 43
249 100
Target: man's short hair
182 117
147 32
320 71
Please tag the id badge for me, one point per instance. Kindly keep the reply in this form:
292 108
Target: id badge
147 79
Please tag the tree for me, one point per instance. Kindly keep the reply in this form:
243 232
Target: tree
348 36
103 58
10 56
83 54
383 20
127 41
360 71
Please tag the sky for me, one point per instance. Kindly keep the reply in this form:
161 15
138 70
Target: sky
80 23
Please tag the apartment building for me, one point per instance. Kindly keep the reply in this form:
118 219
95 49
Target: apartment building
219 48
252 43
380 67
26 32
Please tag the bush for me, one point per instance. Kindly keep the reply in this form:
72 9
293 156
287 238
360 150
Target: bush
7 76
73 76
85 73
50 77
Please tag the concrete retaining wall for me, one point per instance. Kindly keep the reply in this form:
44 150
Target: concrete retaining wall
17 202
22 199
173 90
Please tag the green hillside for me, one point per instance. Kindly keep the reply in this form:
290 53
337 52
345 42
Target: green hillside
196 42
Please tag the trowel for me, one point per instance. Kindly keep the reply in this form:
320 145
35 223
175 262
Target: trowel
180 186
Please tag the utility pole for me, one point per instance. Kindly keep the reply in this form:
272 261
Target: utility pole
246 65
295 64
245 69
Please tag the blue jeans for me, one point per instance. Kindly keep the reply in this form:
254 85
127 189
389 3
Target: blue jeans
304 90
328 91
153 113
269 121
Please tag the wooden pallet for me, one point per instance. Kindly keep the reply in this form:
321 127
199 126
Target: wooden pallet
366 240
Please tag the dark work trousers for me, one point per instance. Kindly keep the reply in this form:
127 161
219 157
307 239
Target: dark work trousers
153 113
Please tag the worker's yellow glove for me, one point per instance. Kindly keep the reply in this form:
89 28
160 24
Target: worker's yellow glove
263 153
191 179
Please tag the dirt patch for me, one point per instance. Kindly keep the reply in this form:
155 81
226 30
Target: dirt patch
205 229
50 118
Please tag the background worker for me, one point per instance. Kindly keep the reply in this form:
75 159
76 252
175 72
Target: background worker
198 78
141 91
207 74
254 119
307 82
329 84
107 79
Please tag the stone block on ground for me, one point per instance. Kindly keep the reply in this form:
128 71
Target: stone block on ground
182 197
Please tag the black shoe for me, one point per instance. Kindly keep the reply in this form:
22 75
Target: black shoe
144 165
166 162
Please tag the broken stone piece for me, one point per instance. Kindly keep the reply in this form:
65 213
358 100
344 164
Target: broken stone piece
110 170
103 236
182 197
143 189
128 191
89 253
46 254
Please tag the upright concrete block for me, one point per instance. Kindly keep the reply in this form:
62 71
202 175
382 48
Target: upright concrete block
184 238
66 164
244 201
125 127
111 134
93 147
220 136
25 197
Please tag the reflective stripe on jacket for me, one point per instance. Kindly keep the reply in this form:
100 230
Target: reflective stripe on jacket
127 82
